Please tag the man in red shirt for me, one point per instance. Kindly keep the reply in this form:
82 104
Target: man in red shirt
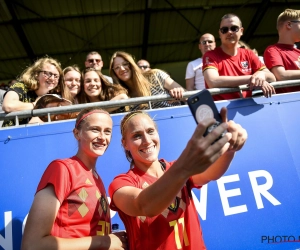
283 58
230 66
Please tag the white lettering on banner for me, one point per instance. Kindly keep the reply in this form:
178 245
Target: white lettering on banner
258 191
7 242
112 212
201 206
24 223
225 194
262 190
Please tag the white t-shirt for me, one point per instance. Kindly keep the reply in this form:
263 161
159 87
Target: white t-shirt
194 69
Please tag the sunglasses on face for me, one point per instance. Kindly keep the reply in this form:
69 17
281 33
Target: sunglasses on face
233 28
125 65
92 60
144 66
206 42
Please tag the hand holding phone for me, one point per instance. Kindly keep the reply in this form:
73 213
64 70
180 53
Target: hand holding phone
202 107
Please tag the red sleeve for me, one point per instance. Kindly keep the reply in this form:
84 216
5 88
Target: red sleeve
272 57
119 181
209 61
256 64
58 175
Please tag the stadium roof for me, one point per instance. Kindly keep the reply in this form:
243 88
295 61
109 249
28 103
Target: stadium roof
161 31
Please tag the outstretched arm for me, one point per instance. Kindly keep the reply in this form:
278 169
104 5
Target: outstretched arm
220 166
37 233
196 158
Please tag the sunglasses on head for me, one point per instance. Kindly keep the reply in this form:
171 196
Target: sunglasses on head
206 42
233 28
92 60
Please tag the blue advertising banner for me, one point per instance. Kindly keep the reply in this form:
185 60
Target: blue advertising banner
255 205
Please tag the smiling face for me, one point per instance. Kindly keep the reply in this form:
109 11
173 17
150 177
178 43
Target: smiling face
122 69
72 81
232 36
47 78
94 60
94 135
92 86
141 139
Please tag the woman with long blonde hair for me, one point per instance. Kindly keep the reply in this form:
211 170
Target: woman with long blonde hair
138 83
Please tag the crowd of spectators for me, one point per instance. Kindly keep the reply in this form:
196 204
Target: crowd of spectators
231 64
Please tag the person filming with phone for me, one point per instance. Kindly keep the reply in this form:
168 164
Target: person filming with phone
153 198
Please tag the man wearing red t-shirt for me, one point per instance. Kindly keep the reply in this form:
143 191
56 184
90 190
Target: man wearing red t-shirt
230 66
282 58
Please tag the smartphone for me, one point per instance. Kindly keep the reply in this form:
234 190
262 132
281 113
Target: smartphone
202 107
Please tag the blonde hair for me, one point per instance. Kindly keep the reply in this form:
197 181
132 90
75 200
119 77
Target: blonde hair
141 84
108 90
30 74
66 90
123 127
287 15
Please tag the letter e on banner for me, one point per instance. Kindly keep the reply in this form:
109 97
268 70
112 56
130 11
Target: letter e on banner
225 194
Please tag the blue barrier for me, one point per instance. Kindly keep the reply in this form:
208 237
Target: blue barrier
253 206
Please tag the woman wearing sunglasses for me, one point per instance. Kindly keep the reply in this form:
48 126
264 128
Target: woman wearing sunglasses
138 83
43 77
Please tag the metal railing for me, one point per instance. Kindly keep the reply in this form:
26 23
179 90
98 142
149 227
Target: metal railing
128 102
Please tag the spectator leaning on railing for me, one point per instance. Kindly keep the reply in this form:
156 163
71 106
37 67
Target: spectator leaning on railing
282 58
231 66
43 77
138 83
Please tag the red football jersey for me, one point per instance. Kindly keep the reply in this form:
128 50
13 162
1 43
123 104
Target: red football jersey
84 209
284 55
177 227
244 63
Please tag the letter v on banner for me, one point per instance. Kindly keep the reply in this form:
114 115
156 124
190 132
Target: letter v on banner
201 206
7 242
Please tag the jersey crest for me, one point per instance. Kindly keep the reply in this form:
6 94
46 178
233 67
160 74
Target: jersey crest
245 64
103 204
174 206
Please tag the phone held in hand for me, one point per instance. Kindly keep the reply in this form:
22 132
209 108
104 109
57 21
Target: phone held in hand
202 107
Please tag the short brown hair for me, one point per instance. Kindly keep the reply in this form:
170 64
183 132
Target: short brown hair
231 15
